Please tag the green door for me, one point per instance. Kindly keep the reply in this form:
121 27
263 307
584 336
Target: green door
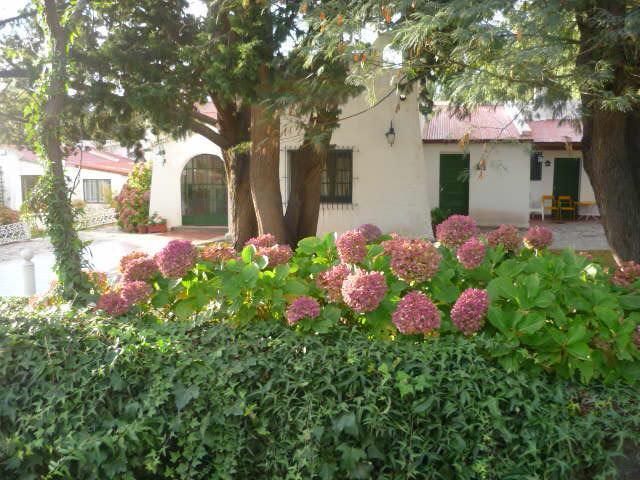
204 192
454 183
566 177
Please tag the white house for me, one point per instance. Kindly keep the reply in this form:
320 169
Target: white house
97 175
486 165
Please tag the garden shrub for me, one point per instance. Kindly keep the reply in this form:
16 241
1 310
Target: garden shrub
92 397
132 203
8 216
542 311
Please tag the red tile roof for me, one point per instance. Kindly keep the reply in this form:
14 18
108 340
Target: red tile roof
102 161
554 131
91 160
486 123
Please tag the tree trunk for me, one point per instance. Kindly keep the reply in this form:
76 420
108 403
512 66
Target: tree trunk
611 153
610 143
59 217
303 207
234 123
242 215
265 172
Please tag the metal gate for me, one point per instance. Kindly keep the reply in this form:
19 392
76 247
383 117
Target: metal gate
204 191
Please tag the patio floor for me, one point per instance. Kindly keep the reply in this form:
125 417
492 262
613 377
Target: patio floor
579 235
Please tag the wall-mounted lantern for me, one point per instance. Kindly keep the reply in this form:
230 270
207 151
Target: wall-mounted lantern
391 135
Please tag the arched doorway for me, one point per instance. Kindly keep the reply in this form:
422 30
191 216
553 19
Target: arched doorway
204 191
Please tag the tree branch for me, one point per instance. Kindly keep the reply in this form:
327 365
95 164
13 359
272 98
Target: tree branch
206 119
208 133
27 14
15 73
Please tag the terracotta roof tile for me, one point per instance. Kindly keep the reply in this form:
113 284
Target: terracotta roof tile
554 131
486 123
102 161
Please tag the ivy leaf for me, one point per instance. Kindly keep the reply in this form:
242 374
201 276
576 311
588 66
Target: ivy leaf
579 350
185 395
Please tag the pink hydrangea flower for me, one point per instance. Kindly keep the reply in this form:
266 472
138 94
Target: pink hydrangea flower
470 309
176 258
112 303
416 313
302 307
414 260
124 261
626 274
370 231
331 281
636 337
140 269
218 252
471 253
265 240
363 291
456 230
391 246
277 254
538 237
352 247
505 235
135 292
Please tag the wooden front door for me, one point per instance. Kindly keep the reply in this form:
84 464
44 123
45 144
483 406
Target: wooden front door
566 177
454 183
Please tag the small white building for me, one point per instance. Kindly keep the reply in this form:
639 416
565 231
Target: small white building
485 165
98 176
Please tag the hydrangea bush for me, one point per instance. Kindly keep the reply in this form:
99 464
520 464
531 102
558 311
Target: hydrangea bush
530 307
132 203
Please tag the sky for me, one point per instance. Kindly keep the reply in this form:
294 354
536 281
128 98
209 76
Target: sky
8 8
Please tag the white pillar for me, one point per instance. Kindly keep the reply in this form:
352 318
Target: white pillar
28 272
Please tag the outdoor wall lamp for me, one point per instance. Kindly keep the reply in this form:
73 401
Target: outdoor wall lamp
391 135
547 163
162 155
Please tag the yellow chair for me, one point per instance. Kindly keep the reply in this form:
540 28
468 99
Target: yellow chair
565 204
548 202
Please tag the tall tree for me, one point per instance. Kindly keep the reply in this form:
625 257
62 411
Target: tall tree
534 53
161 61
44 123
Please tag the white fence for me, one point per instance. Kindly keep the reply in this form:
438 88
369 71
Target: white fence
17 232
96 218
14 232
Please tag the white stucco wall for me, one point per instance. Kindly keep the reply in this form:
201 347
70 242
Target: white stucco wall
390 183
117 180
13 167
165 197
501 194
545 185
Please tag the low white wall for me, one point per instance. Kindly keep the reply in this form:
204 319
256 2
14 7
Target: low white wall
166 198
545 185
390 183
501 194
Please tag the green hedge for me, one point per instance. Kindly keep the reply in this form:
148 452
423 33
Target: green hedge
88 397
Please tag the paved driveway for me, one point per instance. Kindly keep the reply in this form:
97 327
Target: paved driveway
107 246
585 235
